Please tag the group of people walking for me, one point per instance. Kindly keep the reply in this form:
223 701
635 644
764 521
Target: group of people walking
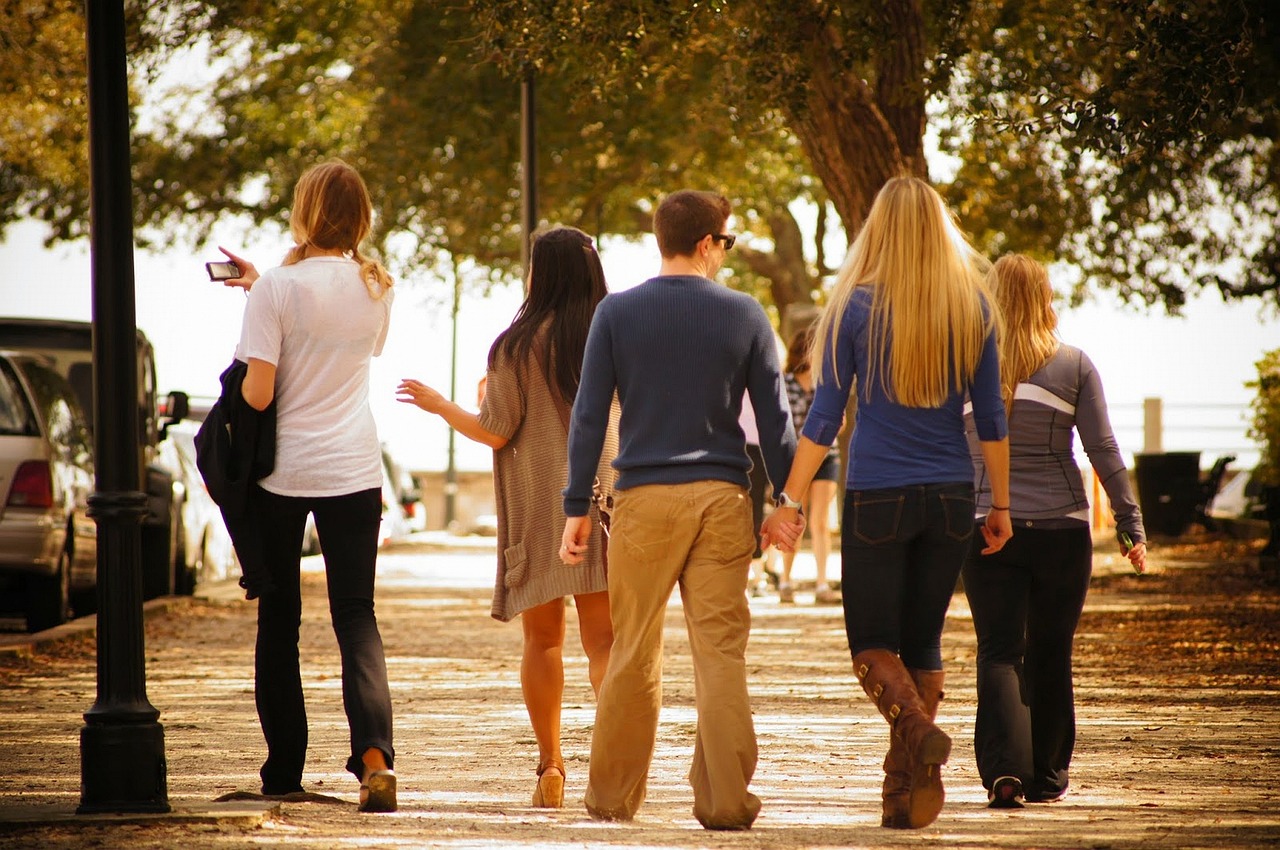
622 472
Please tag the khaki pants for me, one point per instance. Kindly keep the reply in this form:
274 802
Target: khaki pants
700 536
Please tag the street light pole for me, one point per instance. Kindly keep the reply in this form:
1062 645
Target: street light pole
451 471
122 763
528 169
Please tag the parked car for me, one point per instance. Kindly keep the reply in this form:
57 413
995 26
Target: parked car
204 545
395 519
67 347
48 543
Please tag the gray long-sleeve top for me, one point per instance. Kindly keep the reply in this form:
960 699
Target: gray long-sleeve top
1047 490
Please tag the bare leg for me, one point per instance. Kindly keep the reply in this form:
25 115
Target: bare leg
542 675
821 494
595 627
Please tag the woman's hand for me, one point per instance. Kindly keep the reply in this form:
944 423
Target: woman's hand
418 393
1137 555
782 528
248 271
996 531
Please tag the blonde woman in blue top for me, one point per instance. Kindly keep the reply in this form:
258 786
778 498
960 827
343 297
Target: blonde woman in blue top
910 325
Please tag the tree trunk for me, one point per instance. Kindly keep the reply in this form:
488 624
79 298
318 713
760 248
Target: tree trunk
857 137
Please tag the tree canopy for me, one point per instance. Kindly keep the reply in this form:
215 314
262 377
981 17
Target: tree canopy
1136 140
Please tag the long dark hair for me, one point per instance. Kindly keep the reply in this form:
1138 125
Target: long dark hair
566 282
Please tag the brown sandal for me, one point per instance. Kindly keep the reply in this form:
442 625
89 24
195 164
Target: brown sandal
549 792
378 792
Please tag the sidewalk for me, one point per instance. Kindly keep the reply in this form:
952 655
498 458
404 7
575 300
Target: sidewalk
1178 702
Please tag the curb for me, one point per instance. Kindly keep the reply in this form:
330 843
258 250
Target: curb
26 645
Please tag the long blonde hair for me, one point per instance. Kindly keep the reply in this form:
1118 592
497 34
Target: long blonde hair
928 318
332 210
1022 292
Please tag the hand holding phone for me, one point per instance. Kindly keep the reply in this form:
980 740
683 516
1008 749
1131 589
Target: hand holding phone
222 270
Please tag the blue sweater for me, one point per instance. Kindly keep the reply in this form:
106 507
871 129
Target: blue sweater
894 445
680 351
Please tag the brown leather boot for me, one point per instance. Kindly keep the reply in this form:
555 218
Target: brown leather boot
895 793
894 692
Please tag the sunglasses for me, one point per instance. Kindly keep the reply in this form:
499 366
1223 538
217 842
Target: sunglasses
727 238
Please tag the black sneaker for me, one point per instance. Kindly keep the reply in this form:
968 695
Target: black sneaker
1005 793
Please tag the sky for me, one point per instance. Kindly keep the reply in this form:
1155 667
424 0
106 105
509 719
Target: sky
1198 364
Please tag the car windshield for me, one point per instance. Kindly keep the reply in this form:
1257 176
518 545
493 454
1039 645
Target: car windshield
16 416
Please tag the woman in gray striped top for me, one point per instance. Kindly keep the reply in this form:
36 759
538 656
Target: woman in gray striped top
1027 598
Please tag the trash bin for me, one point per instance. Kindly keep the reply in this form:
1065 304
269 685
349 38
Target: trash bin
1168 490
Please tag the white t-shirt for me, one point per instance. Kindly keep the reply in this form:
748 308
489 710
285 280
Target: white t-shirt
315 321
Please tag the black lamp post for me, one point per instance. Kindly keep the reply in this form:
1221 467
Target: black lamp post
122 763
528 169
451 470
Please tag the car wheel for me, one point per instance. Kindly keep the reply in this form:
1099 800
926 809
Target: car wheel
157 563
185 575
49 597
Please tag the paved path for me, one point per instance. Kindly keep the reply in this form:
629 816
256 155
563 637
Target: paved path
1179 743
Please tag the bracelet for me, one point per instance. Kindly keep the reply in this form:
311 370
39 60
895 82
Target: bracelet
998 508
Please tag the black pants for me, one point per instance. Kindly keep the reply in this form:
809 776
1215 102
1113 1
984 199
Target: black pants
1026 601
901 551
348 529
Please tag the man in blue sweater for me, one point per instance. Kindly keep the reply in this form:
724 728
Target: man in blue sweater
680 351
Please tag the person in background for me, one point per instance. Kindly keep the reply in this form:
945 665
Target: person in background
757 579
310 328
534 369
680 350
1027 598
909 324
822 491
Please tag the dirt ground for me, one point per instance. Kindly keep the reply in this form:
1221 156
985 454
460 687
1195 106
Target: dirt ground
1178 702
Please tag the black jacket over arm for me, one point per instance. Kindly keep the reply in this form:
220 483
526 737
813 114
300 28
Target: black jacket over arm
235 448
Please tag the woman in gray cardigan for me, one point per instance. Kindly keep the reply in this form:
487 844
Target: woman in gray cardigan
1027 598
534 368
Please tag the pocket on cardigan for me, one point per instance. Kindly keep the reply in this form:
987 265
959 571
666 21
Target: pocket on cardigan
515 565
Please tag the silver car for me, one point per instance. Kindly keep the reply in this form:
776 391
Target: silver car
48 543
204 545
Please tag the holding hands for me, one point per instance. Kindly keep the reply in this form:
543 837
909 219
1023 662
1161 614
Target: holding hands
782 528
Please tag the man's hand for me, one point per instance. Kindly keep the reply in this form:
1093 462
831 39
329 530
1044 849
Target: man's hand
782 528
573 543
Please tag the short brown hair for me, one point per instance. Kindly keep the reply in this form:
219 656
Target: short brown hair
684 219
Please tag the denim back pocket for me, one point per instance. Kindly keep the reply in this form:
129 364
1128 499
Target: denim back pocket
957 510
876 518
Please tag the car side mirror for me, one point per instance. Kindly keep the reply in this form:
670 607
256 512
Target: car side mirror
177 406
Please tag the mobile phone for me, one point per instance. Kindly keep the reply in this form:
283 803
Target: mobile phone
222 271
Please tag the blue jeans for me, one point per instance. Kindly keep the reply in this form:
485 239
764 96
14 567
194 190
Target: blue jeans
902 548
1026 601
348 529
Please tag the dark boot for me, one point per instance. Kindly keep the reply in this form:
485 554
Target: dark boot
926 781
926 747
896 792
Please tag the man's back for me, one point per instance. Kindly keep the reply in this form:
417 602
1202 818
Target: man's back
681 350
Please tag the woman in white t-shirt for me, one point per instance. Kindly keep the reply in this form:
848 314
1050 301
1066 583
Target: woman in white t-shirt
310 327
